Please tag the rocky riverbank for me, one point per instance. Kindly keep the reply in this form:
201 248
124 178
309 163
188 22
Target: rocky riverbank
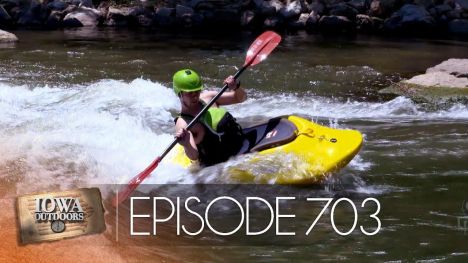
369 16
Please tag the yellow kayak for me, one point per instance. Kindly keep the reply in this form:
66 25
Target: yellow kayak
317 151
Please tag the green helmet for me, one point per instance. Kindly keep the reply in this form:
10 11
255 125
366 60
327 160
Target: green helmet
186 80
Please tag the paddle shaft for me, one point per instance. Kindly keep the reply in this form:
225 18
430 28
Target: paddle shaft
207 106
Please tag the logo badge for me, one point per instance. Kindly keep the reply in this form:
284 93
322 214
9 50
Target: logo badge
58 215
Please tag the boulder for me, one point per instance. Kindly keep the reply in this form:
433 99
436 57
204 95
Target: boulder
426 3
439 79
247 18
312 21
364 23
54 20
454 14
410 18
268 8
463 4
343 9
291 11
454 66
447 81
273 22
117 16
383 8
57 5
82 3
33 15
318 7
184 15
140 16
458 26
335 24
300 23
82 16
329 3
164 16
7 37
360 5
442 9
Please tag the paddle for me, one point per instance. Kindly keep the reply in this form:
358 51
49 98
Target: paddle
258 51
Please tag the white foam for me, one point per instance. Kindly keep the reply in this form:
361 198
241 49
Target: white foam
400 108
102 133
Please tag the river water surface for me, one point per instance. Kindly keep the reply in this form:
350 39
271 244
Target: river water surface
85 107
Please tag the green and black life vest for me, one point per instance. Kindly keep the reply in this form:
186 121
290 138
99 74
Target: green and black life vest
223 135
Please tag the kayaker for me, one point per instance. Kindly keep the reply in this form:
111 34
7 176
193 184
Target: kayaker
217 136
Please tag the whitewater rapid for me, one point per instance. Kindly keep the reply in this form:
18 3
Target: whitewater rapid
108 131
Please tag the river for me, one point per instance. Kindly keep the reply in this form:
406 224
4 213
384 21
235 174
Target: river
89 106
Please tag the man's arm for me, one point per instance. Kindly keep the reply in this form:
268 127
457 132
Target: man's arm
234 95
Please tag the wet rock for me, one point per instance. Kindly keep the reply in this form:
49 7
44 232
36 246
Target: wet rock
439 79
317 7
383 8
442 9
335 24
291 11
454 14
410 18
426 3
312 22
164 16
34 15
184 15
329 3
368 24
360 5
247 18
300 23
305 6
82 3
140 16
446 81
57 5
463 4
458 26
54 20
273 22
453 66
82 16
343 9
117 16
268 8
7 37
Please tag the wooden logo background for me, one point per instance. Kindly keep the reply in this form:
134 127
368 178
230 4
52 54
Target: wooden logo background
32 231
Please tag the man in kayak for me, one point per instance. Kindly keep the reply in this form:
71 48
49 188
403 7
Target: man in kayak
216 136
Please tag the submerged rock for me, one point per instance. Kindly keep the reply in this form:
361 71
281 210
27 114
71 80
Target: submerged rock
447 81
7 37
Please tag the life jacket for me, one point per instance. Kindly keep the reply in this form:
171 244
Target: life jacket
223 135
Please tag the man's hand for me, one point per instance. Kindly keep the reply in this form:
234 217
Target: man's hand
232 83
183 137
